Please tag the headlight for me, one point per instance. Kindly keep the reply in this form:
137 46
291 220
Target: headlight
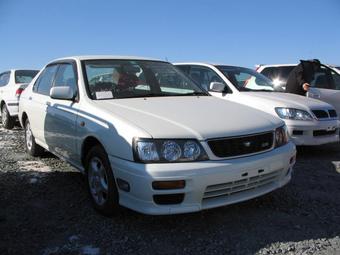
167 150
281 136
293 114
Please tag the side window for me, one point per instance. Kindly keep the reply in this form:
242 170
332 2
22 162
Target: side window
323 79
66 77
4 79
204 76
336 79
45 80
269 72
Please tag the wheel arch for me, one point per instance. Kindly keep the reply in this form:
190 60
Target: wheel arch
88 143
23 119
2 103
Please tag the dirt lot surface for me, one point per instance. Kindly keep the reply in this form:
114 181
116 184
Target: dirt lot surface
45 209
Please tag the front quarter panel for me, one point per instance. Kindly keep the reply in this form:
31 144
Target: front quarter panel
115 134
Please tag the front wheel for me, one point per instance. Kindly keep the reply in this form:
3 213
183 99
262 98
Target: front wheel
6 119
101 182
30 145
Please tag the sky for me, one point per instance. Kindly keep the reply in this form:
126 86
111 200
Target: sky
241 32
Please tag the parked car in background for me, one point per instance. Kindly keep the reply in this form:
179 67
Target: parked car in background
325 86
309 121
12 83
149 138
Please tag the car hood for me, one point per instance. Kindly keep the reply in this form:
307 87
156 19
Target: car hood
190 116
279 99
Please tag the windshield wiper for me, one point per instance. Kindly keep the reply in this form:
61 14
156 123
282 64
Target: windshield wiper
254 90
145 95
196 93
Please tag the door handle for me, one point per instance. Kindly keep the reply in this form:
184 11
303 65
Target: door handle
48 103
30 98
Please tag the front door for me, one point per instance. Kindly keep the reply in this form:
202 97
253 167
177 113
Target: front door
60 121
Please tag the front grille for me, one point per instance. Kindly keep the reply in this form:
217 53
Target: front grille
242 145
242 185
325 114
297 132
320 114
323 132
332 113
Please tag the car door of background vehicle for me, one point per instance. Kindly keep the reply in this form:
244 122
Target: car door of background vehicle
37 102
4 84
326 87
60 121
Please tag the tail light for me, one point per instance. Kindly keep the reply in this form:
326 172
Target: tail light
18 92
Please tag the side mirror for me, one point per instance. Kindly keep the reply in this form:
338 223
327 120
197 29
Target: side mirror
62 92
313 93
216 86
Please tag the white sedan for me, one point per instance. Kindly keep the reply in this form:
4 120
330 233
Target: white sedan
151 140
309 121
325 86
12 83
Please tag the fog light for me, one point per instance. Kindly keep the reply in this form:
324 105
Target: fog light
123 185
169 199
160 185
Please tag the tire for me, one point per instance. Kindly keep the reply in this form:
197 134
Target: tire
7 120
100 182
31 147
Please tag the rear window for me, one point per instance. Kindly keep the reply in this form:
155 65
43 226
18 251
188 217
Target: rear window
25 76
278 72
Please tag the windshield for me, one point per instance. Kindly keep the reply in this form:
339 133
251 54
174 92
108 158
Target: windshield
25 76
245 79
107 79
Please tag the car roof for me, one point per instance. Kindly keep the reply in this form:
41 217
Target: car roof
94 57
275 65
202 63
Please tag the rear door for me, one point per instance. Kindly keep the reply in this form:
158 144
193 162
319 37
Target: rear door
326 87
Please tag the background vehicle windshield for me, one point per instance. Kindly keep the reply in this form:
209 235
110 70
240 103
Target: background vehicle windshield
107 79
276 73
24 76
245 79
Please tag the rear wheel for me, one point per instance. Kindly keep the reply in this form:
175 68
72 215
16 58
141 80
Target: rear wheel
30 145
7 120
101 182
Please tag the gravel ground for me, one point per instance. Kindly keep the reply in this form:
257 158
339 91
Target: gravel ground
45 209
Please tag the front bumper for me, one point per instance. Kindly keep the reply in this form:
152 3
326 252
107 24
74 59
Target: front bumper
314 132
208 183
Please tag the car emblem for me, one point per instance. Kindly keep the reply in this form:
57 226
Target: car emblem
265 144
247 144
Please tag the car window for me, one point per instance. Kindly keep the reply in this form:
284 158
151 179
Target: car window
245 79
107 79
323 79
4 79
201 75
24 76
45 80
66 77
278 72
